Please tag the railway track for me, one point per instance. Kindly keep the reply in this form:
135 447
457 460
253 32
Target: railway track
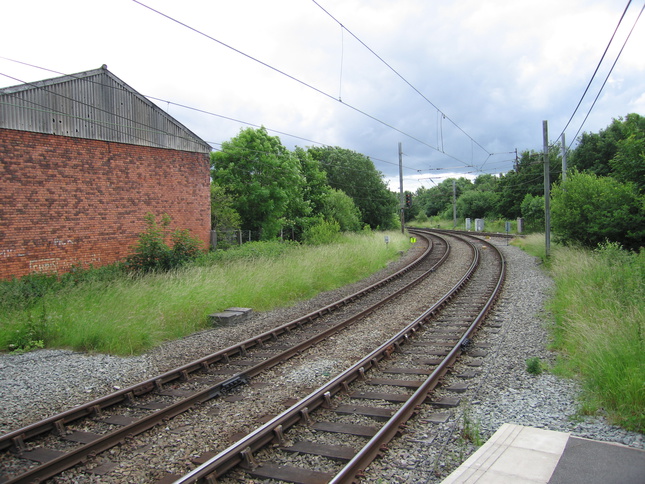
46 448
334 433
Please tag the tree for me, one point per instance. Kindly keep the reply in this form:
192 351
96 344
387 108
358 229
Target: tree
438 199
628 164
533 211
477 204
355 174
223 215
526 178
590 210
262 177
595 150
340 208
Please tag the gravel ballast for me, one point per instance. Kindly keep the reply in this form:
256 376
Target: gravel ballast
38 384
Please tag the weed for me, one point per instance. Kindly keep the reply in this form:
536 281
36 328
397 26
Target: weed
534 365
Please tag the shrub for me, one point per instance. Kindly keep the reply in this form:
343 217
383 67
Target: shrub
151 253
322 233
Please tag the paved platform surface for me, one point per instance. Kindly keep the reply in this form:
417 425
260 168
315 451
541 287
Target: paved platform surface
526 455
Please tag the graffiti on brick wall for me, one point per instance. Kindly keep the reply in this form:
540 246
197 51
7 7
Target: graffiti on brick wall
12 253
62 242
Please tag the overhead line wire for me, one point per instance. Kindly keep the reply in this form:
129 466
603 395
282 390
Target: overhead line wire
320 91
609 73
400 76
595 72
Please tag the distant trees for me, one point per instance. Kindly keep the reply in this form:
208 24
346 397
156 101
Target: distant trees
261 186
603 199
355 174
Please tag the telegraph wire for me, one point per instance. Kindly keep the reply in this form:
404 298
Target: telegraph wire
594 74
320 91
399 75
165 101
609 73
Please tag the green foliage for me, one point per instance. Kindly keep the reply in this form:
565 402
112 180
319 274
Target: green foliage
355 174
628 164
470 429
477 204
599 309
323 233
526 179
130 314
534 365
339 207
589 210
151 253
533 212
433 201
223 215
262 178
595 151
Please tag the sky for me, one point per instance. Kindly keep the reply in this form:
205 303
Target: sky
459 84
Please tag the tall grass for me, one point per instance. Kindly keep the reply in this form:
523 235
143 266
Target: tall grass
599 325
130 314
599 309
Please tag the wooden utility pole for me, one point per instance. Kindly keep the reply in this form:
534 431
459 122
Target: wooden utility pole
547 190
402 201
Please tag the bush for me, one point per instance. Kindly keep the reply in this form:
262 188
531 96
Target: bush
322 233
151 253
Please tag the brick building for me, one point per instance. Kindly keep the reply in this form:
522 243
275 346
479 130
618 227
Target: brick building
83 158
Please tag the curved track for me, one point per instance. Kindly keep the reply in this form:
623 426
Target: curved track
333 434
58 442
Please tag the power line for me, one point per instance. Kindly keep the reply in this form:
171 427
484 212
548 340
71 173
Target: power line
594 74
303 83
609 73
445 116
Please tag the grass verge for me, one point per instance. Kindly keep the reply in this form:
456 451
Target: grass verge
128 315
599 313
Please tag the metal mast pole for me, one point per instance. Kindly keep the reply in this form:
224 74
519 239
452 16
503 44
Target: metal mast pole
402 202
547 191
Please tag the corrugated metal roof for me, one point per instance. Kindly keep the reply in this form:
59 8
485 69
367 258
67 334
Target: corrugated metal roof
94 105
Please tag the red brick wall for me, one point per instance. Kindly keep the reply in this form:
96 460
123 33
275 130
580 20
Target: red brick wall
67 201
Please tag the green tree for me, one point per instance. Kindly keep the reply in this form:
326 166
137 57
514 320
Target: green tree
356 175
596 150
526 178
340 208
533 212
628 164
262 177
477 203
590 210
223 215
438 198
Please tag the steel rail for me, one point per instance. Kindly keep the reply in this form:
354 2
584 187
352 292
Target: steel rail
356 466
241 452
16 438
69 459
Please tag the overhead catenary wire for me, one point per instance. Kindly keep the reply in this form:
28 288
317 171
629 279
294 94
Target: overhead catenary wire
445 116
608 74
301 82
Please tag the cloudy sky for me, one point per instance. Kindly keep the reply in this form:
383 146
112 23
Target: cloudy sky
460 84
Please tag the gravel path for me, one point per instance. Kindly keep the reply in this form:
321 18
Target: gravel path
503 391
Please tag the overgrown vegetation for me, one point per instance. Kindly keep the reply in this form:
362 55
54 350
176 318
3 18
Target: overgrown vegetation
152 253
115 311
534 365
599 309
599 326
